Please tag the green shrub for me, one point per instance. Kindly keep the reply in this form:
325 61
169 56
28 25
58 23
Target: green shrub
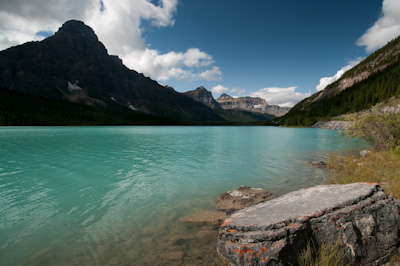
382 129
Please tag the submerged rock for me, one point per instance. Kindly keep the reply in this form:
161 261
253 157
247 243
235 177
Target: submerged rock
319 164
360 215
241 198
174 256
204 217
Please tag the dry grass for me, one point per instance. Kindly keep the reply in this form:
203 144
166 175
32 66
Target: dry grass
382 167
327 254
394 261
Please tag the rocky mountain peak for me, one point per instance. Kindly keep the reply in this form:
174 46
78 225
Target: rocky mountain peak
78 27
224 96
251 104
75 33
204 96
201 88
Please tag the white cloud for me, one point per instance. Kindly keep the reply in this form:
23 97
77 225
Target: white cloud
219 89
211 74
238 91
323 82
281 96
182 66
385 29
118 26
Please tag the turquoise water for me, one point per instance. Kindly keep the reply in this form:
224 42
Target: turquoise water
114 195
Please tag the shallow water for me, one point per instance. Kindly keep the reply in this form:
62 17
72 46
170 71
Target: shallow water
114 195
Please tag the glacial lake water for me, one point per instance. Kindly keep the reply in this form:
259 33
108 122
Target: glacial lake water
114 195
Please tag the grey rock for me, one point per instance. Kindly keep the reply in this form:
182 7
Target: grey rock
241 198
319 164
365 153
360 215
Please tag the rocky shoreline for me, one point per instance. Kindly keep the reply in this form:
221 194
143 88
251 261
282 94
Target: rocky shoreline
338 125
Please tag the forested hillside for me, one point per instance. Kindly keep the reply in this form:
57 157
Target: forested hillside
18 109
376 79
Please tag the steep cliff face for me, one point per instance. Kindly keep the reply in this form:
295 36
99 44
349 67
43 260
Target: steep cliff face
243 103
74 65
204 96
251 104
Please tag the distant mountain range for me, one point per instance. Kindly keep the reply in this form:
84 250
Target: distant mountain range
376 79
251 104
255 105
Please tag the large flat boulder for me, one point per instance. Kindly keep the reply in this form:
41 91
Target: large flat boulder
360 215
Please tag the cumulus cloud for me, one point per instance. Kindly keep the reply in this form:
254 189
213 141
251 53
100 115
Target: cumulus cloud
287 97
219 89
176 65
238 91
386 28
118 26
325 81
211 74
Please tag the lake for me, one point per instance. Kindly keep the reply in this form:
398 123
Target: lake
114 195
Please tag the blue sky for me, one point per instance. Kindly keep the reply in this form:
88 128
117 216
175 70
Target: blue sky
269 43
278 50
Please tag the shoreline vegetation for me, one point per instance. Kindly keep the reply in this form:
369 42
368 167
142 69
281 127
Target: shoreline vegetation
380 165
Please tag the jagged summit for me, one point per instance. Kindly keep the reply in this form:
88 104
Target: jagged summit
79 28
251 104
78 34
204 96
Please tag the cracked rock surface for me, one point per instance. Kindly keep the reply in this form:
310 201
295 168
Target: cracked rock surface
361 215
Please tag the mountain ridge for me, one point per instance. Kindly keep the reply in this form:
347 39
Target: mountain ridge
251 104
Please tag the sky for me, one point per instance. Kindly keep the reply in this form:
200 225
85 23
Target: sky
282 51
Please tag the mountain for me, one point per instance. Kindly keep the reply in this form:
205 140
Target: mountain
375 79
204 96
251 104
73 65
233 115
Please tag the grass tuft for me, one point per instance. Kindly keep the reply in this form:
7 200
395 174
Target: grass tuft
327 254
